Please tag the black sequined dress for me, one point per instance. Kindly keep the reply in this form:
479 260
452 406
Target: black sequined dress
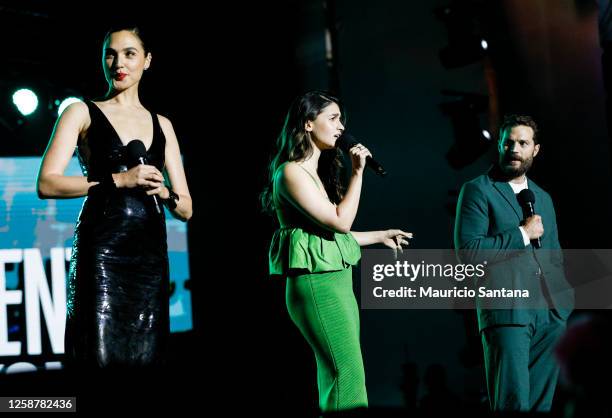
118 307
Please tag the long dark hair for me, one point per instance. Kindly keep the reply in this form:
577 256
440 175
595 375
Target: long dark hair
293 144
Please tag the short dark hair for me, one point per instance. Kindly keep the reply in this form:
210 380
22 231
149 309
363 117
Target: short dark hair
510 121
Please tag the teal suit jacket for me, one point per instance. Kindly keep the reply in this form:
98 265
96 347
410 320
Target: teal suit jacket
487 227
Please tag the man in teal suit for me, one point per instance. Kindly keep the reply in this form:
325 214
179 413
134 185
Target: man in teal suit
518 340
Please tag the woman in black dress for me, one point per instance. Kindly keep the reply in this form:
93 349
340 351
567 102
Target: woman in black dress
117 313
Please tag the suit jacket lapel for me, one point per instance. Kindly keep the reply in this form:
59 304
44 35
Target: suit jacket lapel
508 194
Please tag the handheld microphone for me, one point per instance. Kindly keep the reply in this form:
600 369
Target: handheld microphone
137 152
527 200
348 141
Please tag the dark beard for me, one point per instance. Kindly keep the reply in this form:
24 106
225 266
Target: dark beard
518 171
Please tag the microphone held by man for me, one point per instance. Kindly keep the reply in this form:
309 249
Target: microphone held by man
532 224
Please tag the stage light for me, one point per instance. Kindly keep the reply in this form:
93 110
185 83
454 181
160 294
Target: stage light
486 134
26 101
66 102
484 44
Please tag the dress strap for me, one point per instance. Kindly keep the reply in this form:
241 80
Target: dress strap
156 125
311 176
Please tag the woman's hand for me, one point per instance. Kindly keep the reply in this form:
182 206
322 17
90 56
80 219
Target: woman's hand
145 176
358 157
162 191
395 238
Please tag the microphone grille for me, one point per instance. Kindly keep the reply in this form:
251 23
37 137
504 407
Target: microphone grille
136 149
346 142
526 196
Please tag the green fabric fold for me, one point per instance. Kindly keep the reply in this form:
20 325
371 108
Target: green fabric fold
296 249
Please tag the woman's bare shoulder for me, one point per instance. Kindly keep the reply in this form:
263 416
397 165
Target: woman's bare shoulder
77 113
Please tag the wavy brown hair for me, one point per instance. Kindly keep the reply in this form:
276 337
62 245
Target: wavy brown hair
293 144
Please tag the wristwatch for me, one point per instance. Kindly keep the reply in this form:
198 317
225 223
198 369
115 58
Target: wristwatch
170 202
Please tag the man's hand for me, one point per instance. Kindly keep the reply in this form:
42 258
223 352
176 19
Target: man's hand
533 227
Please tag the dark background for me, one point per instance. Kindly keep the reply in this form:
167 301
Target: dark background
226 74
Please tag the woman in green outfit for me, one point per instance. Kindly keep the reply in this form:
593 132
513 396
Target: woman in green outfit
314 247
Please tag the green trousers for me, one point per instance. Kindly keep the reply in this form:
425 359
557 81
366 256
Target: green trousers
323 307
520 366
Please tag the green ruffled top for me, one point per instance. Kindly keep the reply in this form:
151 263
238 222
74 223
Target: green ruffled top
300 244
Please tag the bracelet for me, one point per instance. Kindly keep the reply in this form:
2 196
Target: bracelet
170 202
